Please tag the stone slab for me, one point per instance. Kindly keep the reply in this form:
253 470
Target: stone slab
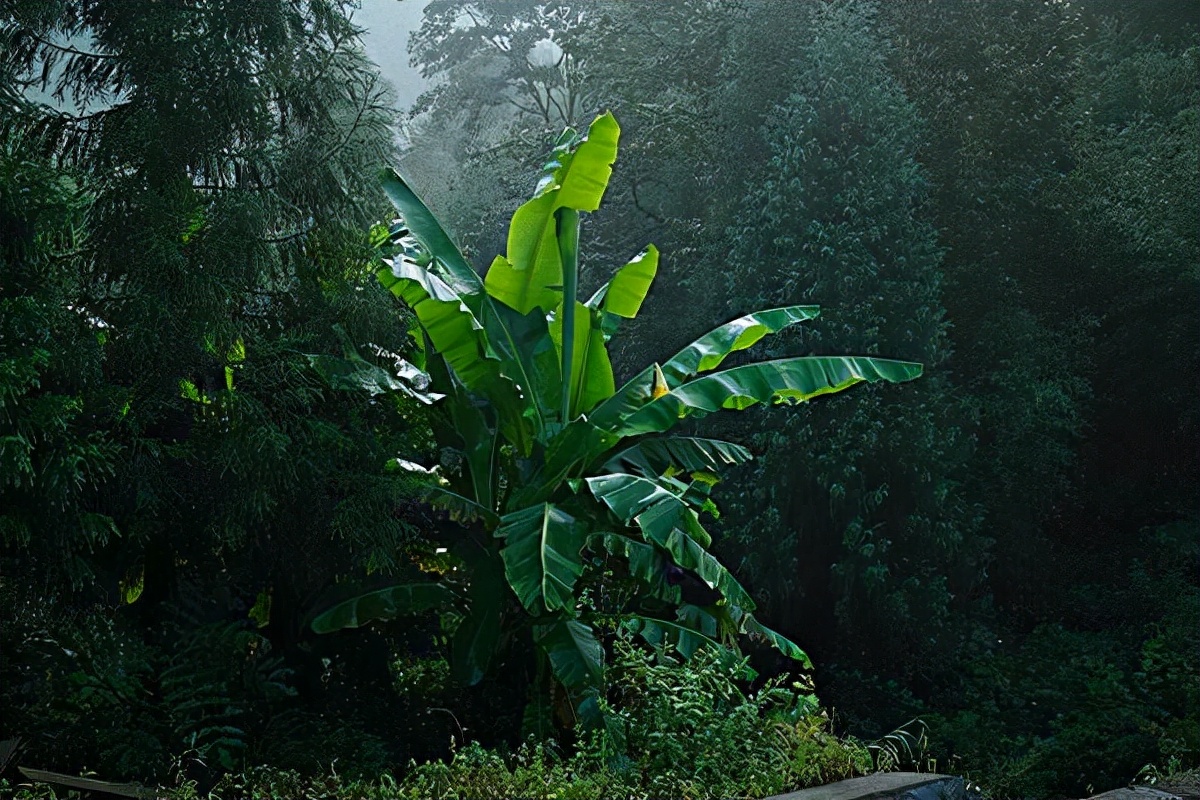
1136 793
886 786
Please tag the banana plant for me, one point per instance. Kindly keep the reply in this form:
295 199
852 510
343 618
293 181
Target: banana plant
558 468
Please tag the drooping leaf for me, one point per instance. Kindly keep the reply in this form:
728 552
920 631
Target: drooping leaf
576 656
425 228
645 561
478 633
787 380
462 509
707 352
653 457
660 633
641 500
452 327
740 620
753 628
542 557
668 522
383 604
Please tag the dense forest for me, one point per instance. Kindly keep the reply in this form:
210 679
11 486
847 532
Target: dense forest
321 474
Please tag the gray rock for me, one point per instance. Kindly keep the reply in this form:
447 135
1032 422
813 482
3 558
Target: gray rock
890 786
1136 793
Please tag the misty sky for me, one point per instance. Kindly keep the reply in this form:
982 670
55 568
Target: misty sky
388 23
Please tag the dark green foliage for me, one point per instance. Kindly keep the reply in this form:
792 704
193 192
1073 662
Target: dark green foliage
179 485
1065 708
864 505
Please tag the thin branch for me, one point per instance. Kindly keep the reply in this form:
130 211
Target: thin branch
66 49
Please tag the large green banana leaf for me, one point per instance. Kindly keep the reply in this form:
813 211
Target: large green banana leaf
635 498
383 604
569 450
454 329
527 278
646 563
478 634
668 522
576 656
686 641
785 380
425 228
529 358
705 353
542 557
624 294
653 457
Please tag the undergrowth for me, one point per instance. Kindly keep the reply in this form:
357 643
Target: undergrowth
682 730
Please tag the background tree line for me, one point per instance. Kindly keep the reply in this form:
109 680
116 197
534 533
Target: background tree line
1003 191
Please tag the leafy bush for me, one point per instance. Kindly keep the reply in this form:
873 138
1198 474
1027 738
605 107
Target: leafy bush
1068 710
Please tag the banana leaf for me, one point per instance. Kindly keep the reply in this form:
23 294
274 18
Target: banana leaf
705 353
576 656
591 372
646 563
478 634
624 294
636 499
668 522
653 457
425 228
686 641
786 380
743 622
462 509
542 557
569 450
527 278
455 330
383 604
528 358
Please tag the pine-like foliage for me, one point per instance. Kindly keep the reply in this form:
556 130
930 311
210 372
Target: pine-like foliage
188 211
